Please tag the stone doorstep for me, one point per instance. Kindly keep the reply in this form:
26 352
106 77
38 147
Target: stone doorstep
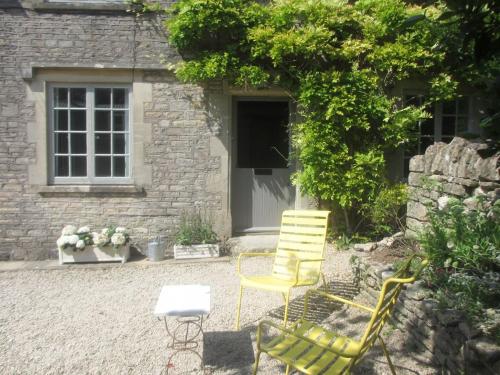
44 265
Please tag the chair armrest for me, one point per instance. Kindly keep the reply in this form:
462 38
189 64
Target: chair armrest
243 255
332 297
295 334
299 262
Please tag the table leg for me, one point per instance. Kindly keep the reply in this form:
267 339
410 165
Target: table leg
183 341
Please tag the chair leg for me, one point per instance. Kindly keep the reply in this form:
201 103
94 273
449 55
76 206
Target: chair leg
287 300
256 364
238 308
393 371
324 282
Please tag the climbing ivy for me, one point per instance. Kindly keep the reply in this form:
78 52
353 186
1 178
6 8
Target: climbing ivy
339 61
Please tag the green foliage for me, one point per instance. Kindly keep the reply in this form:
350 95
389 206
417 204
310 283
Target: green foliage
462 238
195 228
336 58
384 212
463 246
443 87
339 60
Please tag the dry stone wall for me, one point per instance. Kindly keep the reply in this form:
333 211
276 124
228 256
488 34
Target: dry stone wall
434 336
462 169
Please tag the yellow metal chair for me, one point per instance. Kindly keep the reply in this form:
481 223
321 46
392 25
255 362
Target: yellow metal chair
297 260
311 349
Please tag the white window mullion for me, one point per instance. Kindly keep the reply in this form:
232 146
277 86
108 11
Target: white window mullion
90 133
111 129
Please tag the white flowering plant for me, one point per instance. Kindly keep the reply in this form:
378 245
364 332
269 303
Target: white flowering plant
76 239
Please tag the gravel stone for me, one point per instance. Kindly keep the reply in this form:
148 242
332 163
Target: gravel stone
100 320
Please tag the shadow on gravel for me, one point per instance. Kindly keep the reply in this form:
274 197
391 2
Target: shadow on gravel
320 308
228 350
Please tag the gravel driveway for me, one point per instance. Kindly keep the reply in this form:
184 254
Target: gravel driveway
99 321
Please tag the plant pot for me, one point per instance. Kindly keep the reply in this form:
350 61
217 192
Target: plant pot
95 254
196 251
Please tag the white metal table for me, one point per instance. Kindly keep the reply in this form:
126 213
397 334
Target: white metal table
188 304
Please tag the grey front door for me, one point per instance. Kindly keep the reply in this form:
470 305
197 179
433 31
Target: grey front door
261 187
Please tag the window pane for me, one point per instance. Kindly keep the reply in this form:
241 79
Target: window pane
427 127
103 166
448 126
449 108
102 143
61 143
119 166
119 99
119 144
424 143
60 97
61 119
78 120
103 98
77 98
119 123
102 120
78 166
463 106
446 139
62 166
78 143
411 149
461 124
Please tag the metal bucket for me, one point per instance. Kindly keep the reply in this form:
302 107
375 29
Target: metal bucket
156 251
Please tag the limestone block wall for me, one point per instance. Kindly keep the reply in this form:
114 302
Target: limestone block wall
434 336
182 135
461 168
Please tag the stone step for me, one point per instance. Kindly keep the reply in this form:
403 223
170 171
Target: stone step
253 243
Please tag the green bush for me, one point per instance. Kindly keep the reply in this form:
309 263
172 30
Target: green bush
385 213
463 246
195 228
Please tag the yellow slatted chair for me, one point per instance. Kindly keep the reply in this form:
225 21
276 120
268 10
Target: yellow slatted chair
297 260
312 349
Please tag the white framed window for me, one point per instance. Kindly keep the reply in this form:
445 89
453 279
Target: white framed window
90 134
448 119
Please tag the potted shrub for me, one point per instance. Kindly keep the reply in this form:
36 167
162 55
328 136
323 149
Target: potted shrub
195 238
82 245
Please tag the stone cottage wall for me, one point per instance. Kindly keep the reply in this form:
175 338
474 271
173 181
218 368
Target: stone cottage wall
461 168
185 153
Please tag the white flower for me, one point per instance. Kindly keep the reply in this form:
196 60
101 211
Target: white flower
105 232
68 230
61 242
83 230
99 239
118 239
120 230
80 244
73 239
443 202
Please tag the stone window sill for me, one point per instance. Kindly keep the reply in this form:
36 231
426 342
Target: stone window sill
79 5
90 189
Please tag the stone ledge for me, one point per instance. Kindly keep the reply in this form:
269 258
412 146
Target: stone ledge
90 189
113 5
